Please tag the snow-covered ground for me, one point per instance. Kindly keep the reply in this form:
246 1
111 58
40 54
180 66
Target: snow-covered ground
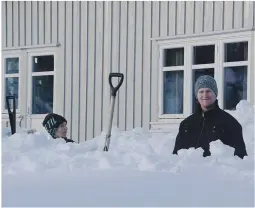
138 170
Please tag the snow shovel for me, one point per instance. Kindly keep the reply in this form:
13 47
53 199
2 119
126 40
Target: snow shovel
113 96
12 114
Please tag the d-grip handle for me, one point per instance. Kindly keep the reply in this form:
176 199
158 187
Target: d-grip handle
115 89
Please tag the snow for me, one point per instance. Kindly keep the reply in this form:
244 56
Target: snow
138 170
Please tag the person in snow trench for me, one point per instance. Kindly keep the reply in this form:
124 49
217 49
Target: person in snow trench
209 123
56 126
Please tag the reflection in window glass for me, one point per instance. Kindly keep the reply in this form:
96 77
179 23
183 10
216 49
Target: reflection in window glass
204 54
174 57
12 65
235 86
173 92
42 101
43 63
12 88
236 51
196 74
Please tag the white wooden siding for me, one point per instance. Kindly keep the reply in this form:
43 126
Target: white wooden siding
130 66
99 67
9 15
189 20
171 17
41 22
16 23
218 16
60 36
123 64
181 10
199 12
115 60
22 23
35 21
146 96
4 24
69 65
28 24
101 37
83 71
208 16
228 12
76 72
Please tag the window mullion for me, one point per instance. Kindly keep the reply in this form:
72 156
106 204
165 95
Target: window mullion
250 71
188 80
238 63
11 75
42 73
219 72
203 66
173 68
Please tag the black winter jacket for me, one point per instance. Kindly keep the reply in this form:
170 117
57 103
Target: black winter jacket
67 140
199 130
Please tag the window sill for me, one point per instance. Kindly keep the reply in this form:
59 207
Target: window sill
165 125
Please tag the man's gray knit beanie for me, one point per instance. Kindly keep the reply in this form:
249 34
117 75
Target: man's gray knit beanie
206 81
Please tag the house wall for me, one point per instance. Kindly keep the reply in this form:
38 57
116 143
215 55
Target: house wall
100 37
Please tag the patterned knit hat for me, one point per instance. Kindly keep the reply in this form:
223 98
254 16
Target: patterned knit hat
206 81
51 123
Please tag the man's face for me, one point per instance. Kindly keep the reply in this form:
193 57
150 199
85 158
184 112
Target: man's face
61 131
206 97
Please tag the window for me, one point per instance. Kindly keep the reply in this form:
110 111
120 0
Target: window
202 55
235 73
42 84
11 80
173 74
173 92
224 57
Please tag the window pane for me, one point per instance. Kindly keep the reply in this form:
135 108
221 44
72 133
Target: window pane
174 57
235 86
12 65
43 63
196 74
203 54
236 51
42 101
173 92
12 88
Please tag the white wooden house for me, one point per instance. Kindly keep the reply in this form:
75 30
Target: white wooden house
56 57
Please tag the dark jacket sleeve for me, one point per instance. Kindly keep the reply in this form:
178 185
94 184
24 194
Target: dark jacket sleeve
177 145
69 140
239 145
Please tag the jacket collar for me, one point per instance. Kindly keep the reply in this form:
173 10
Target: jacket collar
199 111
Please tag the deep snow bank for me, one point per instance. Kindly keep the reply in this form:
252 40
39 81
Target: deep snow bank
139 170
130 150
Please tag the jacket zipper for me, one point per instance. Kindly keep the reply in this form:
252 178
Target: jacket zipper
200 132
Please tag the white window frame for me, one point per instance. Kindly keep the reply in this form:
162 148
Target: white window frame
4 75
187 43
31 74
223 64
192 67
161 80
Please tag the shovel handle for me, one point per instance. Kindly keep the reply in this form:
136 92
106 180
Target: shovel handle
115 89
12 114
10 97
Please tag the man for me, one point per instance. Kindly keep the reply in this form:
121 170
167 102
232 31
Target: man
209 123
56 126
